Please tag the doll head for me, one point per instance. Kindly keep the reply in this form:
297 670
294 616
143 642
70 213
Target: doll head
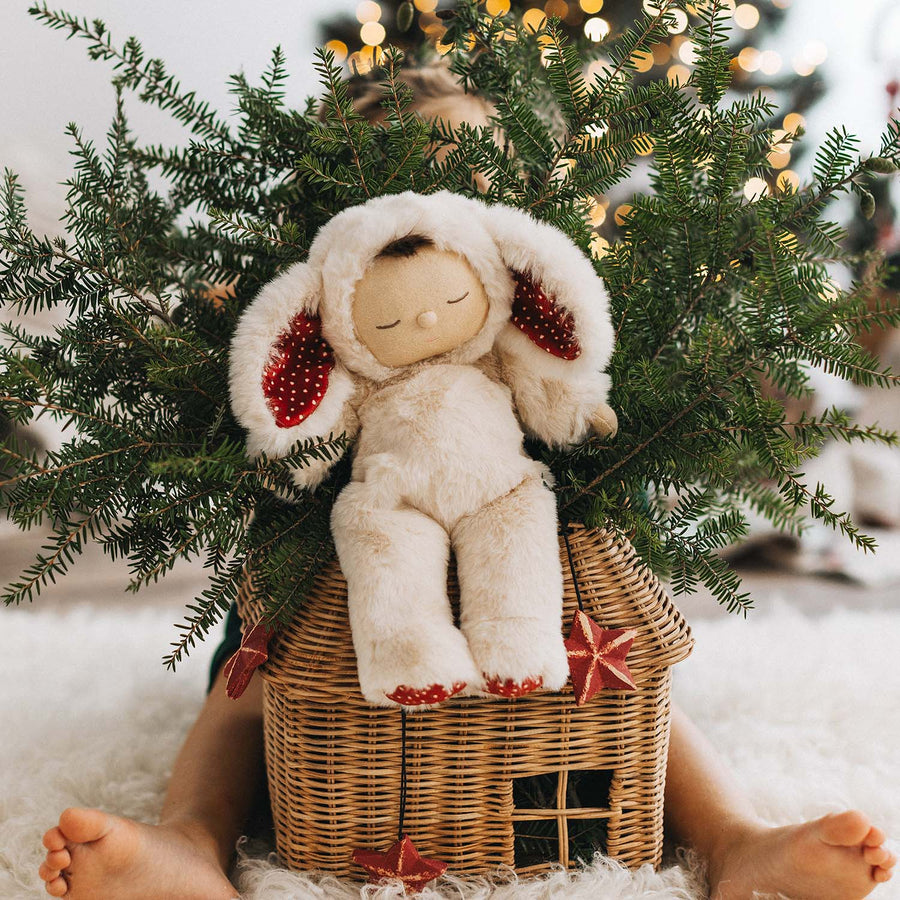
411 279
415 301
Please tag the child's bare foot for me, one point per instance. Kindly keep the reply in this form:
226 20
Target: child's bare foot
837 857
92 854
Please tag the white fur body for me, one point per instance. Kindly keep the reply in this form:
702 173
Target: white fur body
439 461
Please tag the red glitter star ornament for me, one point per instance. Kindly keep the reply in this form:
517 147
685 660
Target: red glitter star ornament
400 861
597 658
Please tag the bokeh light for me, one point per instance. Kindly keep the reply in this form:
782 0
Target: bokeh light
756 188
748 59
599 246
747 16
558 8
643 60
426 6
788 181
591 6
680 21
534 19
793 121
596 28
368 11
372 33
339 49
678 74
497 7
770 62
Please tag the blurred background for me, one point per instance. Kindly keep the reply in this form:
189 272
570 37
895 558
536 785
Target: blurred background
824 62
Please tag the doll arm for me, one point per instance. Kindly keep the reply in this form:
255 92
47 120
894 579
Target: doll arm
560 412
286 385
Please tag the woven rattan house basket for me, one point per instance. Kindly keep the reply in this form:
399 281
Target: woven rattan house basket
474 765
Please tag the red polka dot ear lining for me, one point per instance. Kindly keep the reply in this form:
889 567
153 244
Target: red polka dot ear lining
295 382
547 325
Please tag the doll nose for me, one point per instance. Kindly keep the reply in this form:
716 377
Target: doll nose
427 319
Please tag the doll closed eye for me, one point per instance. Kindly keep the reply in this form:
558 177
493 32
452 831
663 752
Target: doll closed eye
399 308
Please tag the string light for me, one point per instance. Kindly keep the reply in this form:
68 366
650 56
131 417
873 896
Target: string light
591 6
788 181
769 62
815 53
662 53
368 11
497 7
802 67
748 59
558 8
680 21
678 75
778 159
687 53
372 34
534 19
643 144
793 121
599 246
622 212
643 60
747 16
756 188
426 6
596 28
339 49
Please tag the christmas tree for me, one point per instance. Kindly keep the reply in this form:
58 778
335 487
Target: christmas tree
717 282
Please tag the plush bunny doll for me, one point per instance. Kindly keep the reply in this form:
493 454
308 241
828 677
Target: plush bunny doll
435 329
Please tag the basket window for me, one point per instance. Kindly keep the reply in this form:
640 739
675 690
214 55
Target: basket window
560 817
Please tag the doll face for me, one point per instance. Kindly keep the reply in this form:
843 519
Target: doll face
408 308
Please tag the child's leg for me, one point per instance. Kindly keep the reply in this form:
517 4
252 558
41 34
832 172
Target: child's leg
838 857
214 781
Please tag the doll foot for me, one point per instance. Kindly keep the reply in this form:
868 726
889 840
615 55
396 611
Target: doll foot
518 655
510 688
437 693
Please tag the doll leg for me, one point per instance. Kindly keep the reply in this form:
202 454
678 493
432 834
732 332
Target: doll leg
395 561
507 556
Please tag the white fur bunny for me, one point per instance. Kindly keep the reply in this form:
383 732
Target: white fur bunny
435 329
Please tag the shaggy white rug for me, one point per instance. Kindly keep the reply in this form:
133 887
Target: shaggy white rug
805 710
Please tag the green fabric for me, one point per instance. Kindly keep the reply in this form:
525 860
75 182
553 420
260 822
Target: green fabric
230 643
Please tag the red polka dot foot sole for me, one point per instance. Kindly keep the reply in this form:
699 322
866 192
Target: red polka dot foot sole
510 688
437 693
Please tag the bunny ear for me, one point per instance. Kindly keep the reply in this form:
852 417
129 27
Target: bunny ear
559 316
286 384
542 320
296 378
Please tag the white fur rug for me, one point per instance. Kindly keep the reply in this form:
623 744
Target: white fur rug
806 712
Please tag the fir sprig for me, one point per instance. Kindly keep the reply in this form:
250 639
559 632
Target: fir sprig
717 298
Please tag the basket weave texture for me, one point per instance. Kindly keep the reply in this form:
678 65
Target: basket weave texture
334 762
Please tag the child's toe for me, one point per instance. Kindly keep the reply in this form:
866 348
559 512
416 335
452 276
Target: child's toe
58 859
57 887
844 829
876 856
875 837
83 826
881 875
54 839
46 873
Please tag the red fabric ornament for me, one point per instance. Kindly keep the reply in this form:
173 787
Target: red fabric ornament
295 382
597 658
400 861
252 653
544 323
437 693
510 688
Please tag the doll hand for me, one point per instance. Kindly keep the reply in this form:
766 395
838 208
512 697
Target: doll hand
604 421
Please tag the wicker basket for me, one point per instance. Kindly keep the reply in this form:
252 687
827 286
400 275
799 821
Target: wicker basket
475 766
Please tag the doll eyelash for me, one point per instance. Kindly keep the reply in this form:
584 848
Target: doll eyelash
458 299
388 326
